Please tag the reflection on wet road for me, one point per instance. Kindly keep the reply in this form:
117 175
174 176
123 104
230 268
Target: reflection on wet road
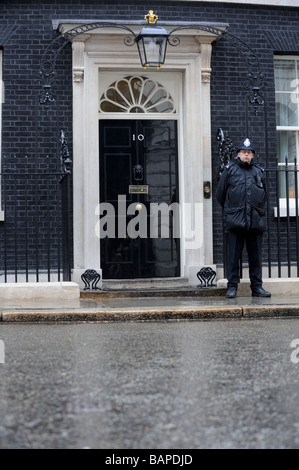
156 385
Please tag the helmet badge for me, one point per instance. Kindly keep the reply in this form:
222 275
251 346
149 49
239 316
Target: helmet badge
247 143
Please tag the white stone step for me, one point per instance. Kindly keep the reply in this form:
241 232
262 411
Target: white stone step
145 284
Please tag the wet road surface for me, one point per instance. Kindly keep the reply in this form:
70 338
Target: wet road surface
156 385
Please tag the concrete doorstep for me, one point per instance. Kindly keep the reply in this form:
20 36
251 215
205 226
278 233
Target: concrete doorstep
277 286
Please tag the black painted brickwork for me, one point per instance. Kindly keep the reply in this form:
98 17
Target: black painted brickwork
26 30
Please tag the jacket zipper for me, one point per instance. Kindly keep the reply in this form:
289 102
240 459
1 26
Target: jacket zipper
247 228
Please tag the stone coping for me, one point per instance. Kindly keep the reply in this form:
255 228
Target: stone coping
39 291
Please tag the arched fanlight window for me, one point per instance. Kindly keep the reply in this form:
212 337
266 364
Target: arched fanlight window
136 95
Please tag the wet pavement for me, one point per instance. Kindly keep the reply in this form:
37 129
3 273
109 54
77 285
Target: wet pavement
220 383
124 308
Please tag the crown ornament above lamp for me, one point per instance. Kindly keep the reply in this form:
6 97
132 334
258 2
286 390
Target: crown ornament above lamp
152 42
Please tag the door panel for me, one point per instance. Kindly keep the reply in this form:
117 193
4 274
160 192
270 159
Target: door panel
138 155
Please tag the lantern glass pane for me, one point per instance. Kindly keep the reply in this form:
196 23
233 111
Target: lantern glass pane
140 45
154 50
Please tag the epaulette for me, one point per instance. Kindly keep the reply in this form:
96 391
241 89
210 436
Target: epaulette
259 166
228 165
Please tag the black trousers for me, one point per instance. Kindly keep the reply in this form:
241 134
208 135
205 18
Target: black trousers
236 241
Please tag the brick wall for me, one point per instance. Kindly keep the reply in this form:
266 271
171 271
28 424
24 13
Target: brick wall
26 30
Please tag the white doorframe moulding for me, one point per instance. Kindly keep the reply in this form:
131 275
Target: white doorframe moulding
103 50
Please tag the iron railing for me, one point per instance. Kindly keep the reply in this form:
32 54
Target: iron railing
280 256
35 226
282 220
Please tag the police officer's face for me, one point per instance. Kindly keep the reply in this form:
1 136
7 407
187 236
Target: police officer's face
246 155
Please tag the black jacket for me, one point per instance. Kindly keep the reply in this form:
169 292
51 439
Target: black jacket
242 194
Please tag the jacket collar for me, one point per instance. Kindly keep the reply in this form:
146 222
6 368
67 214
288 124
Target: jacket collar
244 164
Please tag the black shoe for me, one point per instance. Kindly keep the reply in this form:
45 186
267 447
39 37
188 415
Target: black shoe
231 293
260 292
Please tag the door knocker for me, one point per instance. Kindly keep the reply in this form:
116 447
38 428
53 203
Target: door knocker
138 172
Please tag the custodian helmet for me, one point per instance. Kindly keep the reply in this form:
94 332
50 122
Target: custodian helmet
246 144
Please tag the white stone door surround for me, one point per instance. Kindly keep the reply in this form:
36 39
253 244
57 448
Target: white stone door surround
103 50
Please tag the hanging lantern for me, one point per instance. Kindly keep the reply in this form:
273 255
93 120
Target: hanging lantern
152 42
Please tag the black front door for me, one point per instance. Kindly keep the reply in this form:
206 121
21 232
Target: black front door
138 172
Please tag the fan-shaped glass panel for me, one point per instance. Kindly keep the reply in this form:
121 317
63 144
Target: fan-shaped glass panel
136 95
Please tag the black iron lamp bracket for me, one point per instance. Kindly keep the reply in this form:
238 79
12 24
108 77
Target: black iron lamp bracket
254 81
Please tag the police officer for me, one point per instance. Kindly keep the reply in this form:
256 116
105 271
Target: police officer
241 193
